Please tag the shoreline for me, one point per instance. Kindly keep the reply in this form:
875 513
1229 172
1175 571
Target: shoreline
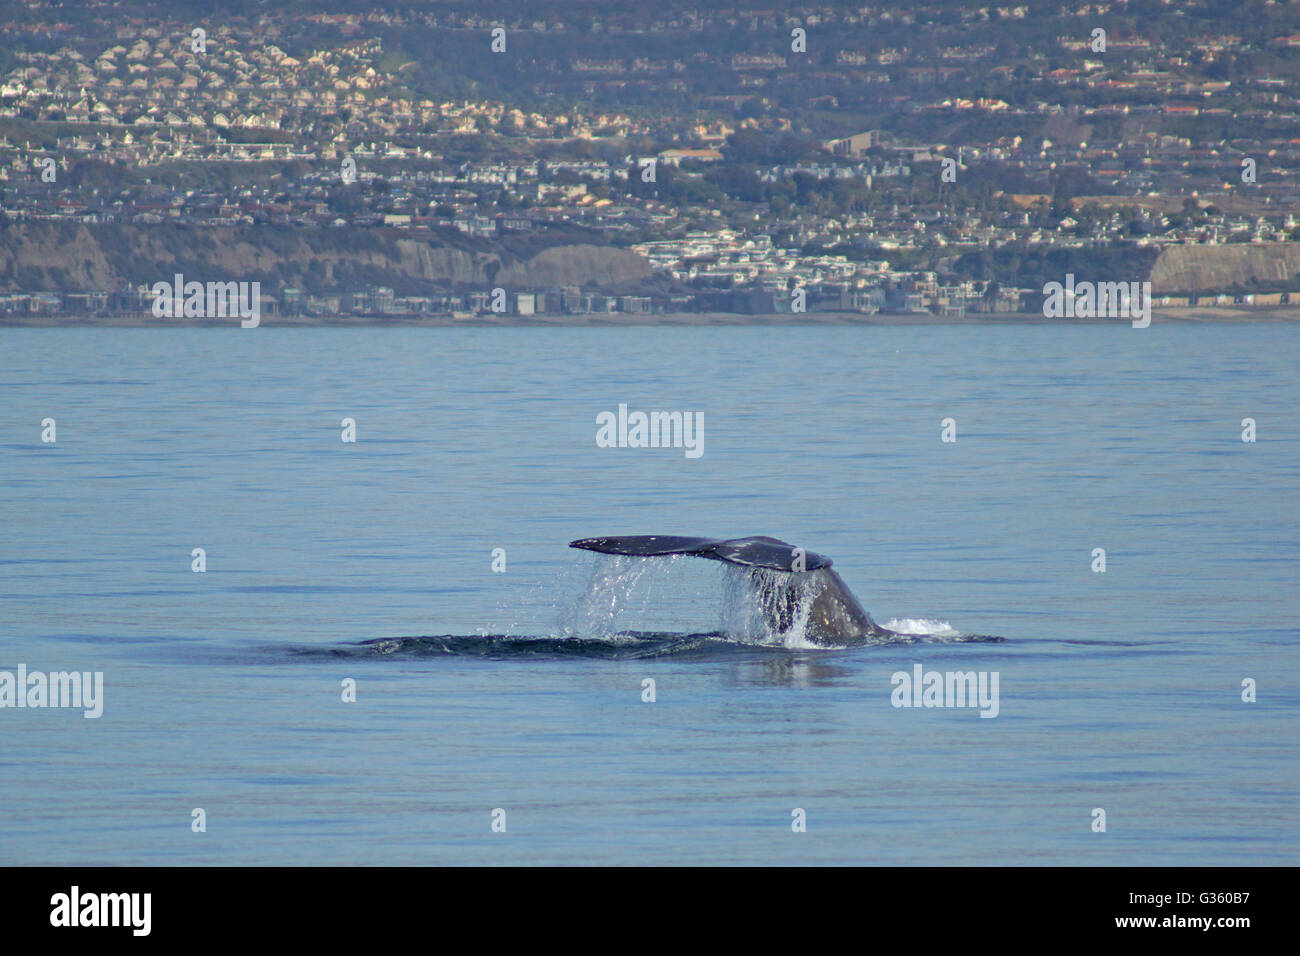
1190 315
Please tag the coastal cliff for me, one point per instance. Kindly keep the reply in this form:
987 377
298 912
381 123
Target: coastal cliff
74 257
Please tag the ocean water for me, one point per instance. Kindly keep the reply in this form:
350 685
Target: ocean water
223 691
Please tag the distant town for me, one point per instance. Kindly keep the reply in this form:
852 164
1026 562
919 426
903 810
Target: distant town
461 160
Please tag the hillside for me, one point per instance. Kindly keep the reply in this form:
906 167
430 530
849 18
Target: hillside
1267 266
72 257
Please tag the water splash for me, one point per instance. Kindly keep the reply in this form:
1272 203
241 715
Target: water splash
921 627
628 604
622 593
754 606
759 606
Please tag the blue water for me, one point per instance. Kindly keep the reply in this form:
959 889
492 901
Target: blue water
1118 690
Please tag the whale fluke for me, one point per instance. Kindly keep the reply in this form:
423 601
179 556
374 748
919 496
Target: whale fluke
754 552
832 615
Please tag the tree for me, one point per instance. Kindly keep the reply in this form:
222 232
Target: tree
1061 206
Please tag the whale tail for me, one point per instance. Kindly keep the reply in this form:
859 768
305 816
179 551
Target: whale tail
785 577
755 552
